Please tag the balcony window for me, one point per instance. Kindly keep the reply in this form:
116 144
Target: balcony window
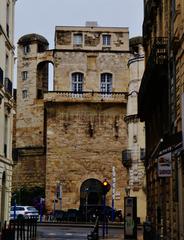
106 40
127 158
106 83
77 82
8 86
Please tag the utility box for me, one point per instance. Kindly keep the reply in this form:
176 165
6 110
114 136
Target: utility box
130 218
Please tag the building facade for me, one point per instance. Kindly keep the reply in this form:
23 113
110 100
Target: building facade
133 156
160 106
68 140
6 105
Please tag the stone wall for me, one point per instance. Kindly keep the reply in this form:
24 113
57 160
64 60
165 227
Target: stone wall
29 171
84 141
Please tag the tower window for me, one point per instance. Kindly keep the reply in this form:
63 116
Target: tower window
24 75
106 39
77 82
24 94
26 49
106 83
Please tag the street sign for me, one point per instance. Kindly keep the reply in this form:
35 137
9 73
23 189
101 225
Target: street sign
165 165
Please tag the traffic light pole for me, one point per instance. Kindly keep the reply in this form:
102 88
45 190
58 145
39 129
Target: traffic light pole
105 220
103 226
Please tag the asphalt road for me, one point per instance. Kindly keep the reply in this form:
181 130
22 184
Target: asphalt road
76 233
69 233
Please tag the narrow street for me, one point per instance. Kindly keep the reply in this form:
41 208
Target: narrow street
78 233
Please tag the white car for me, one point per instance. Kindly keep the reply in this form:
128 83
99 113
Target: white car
23 212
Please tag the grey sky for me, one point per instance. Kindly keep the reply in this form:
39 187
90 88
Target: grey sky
41 16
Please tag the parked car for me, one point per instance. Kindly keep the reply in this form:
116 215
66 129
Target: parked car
23 212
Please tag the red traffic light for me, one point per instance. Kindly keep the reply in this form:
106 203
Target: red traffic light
106 186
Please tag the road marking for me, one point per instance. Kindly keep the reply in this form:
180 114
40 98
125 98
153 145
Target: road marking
51 234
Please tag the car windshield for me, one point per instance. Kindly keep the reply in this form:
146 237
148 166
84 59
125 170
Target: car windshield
17 208
32 209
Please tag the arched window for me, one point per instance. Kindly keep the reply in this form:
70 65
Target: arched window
106 83
77 82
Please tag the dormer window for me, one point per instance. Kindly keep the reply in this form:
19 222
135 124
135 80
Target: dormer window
77 39
106 39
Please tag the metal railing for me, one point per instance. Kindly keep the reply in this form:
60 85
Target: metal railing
20 229
87 95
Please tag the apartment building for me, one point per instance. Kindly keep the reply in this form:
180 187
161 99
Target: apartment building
6 104
161 108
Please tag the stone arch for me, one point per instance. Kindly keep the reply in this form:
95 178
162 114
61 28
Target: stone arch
91 193
43 77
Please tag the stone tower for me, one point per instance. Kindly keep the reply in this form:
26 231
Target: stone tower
136 129
72 137
32 82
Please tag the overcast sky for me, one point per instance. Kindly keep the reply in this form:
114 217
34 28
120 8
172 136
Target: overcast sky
41 16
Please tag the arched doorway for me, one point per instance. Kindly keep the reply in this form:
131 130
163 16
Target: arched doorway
91 193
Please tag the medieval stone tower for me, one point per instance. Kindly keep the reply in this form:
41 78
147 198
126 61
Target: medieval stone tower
30 135
72 137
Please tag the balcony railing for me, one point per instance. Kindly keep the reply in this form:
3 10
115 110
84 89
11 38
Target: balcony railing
8 86
1 77
86 96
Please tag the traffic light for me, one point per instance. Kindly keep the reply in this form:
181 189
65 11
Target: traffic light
106 186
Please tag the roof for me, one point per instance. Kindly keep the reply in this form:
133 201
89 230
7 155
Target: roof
33 37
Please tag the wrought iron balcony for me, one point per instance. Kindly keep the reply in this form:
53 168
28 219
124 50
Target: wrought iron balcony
1 77
86 96
8 86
